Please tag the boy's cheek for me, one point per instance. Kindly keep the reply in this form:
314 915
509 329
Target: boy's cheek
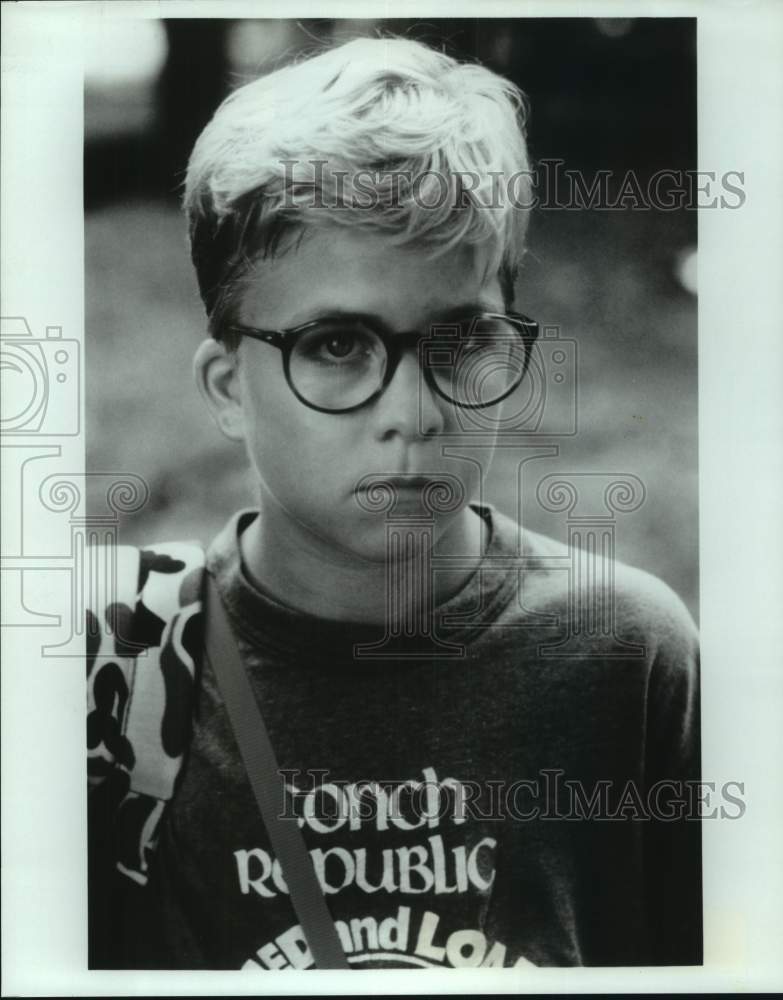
300 469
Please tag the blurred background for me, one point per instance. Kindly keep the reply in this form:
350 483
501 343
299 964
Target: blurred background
606 94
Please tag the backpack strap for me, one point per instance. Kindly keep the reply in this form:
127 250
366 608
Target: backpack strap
144 636
263 773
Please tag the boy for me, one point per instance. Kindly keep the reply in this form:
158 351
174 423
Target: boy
468 794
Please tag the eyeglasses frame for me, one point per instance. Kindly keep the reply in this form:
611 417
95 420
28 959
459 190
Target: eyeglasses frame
395 343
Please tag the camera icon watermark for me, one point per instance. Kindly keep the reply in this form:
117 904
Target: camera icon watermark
549 405
544 397
41 380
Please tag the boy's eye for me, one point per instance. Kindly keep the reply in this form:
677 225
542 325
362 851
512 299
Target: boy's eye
340 345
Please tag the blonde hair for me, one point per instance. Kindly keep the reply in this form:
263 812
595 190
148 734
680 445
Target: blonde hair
386 133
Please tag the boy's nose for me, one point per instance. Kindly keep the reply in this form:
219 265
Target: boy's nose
408 407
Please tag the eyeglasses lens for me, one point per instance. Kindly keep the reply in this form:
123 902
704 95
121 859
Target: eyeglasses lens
478 362
336 366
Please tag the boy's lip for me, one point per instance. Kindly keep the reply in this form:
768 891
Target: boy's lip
433 492
398 481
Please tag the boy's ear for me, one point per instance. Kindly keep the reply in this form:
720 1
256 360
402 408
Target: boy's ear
217 377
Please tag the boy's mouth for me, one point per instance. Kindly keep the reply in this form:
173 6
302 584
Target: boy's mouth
398 481
385 492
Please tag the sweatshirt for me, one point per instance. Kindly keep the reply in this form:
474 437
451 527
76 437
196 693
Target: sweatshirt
512 788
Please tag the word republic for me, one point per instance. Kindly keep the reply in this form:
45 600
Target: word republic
413 870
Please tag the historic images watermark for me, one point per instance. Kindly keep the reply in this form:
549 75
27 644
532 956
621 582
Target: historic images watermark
326 804
322 184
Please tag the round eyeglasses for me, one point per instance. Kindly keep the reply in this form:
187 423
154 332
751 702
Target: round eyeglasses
338 364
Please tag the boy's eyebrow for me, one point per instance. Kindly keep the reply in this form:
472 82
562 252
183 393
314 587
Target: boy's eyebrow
436 316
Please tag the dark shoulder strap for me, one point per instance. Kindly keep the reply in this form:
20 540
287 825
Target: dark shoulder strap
264 775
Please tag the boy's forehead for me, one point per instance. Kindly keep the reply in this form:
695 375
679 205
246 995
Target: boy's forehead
339 269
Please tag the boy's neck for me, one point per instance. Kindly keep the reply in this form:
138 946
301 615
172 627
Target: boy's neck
296 568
